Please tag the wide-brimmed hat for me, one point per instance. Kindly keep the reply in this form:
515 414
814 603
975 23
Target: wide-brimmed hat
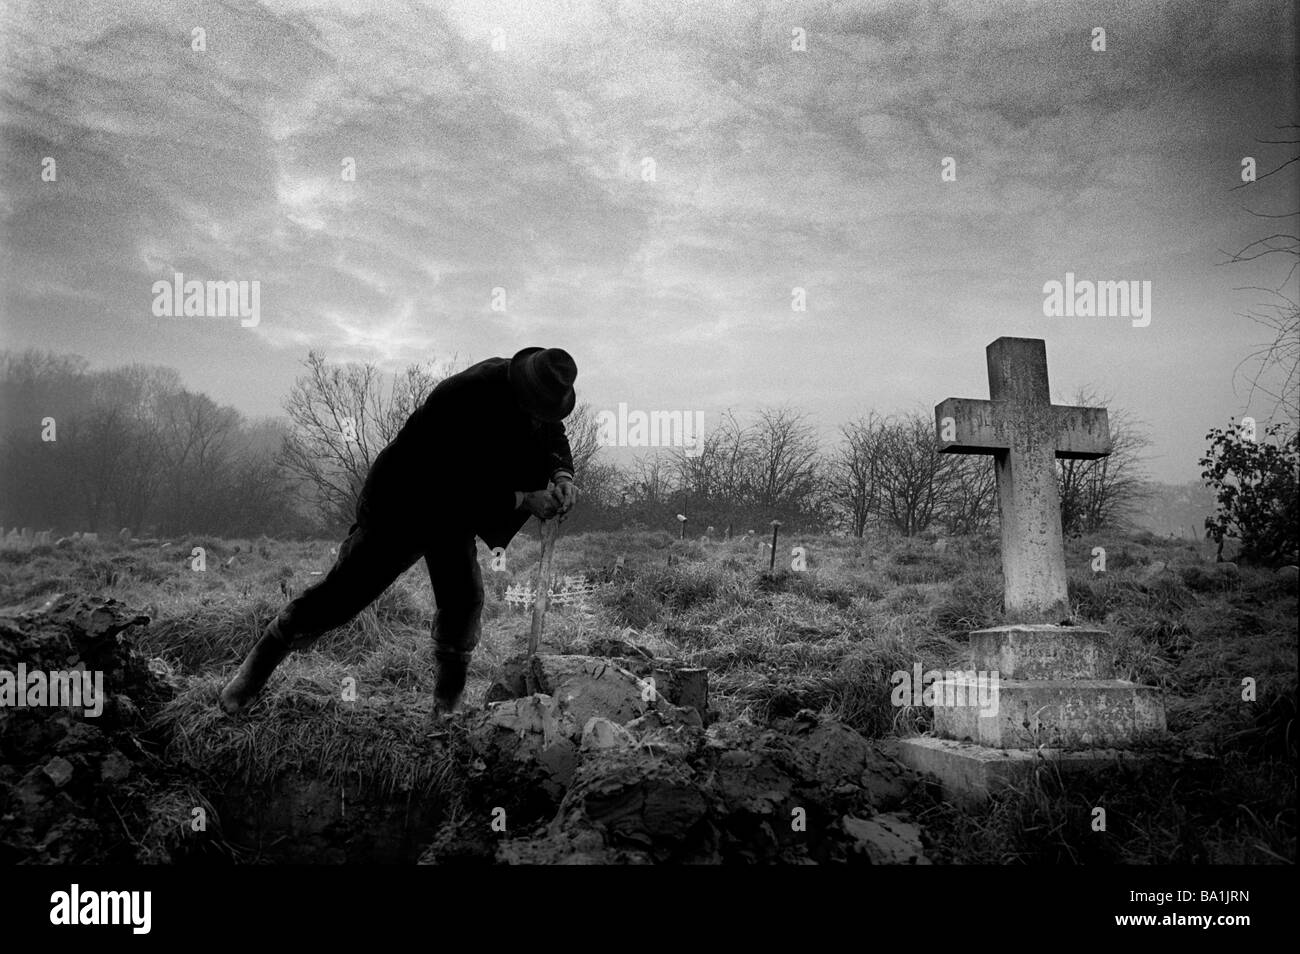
542 379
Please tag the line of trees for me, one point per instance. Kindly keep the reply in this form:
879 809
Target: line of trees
132 448
884 474
135 449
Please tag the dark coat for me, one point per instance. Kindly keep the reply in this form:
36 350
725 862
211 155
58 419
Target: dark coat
460 457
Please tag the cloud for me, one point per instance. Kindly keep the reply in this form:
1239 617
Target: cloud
503 145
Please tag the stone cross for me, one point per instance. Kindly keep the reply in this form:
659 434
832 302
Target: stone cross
1025 432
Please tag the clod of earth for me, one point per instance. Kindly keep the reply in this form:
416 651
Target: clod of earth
76 789
662 789
887 840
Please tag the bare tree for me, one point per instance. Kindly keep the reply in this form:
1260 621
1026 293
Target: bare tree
122 461
342 416
649 481
913 474
597 480
889 471
1273 366
854 479
752 472
969 502
722 467
1100 494
257 491
196 436
583 431
785 461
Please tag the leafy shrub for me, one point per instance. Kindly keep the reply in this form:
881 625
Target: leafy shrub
1256 482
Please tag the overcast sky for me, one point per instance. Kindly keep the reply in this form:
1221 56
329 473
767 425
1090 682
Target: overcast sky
504 145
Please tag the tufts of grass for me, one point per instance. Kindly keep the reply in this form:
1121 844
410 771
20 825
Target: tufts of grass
864 686
217 631
907 599
199 636
379 743
974 601
1180 810
168 838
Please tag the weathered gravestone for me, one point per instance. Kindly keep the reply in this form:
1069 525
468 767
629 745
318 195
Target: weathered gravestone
1056 695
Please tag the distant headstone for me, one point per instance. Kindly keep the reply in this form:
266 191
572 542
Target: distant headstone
124 533
43 536
90 537
28 534
1290 573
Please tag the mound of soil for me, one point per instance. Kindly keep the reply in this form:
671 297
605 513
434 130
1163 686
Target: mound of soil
648 784
77 788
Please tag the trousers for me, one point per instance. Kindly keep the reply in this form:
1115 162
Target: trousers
377 552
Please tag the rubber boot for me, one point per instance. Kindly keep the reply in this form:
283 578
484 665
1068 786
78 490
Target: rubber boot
449 686
257 668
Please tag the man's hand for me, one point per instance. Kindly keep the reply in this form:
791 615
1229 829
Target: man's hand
542 504
566 492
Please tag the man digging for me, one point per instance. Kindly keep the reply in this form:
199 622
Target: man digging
453 472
